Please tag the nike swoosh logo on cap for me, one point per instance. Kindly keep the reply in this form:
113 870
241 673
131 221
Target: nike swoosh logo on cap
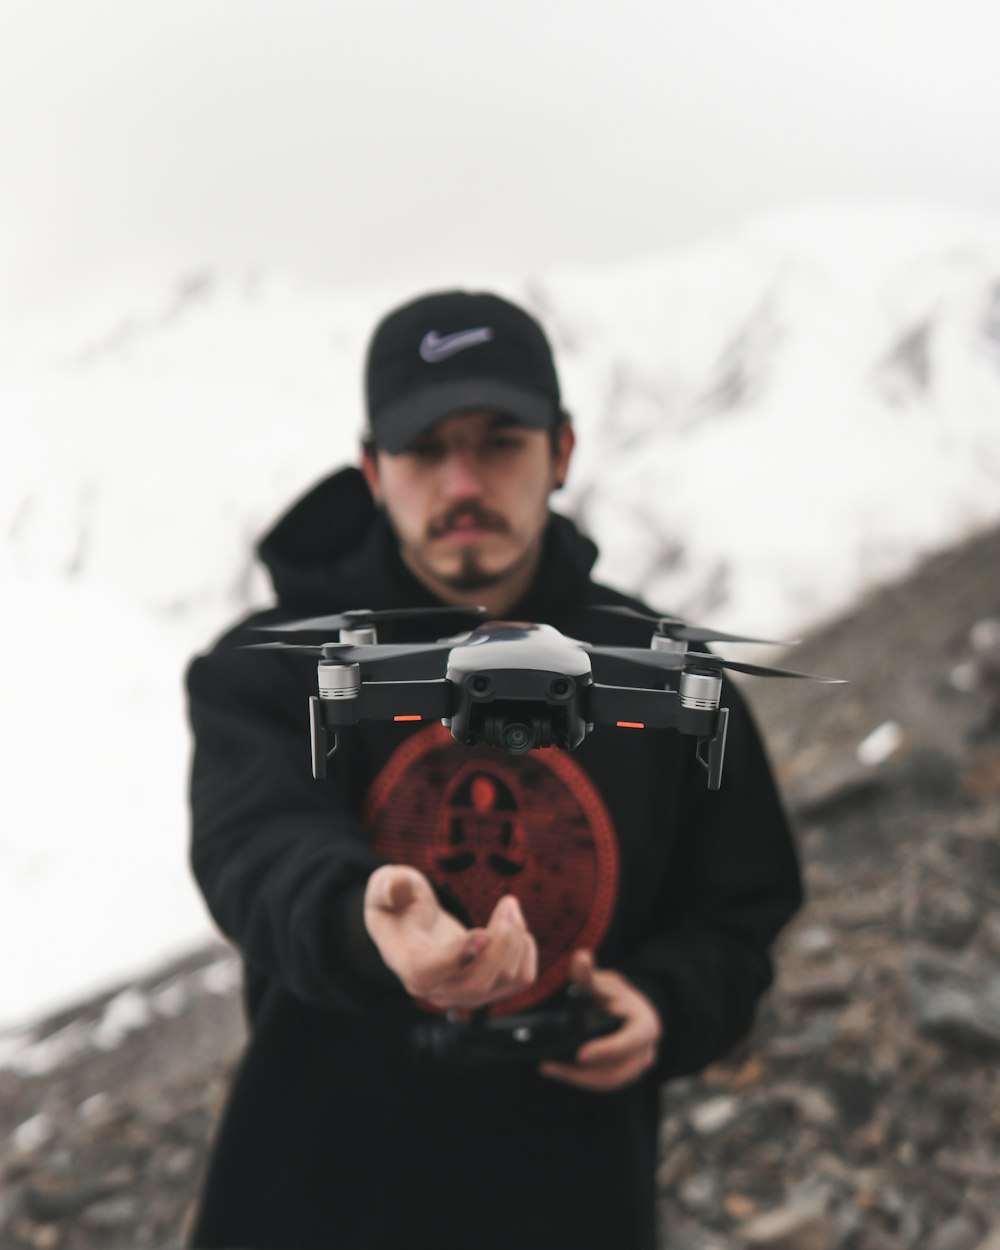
435 347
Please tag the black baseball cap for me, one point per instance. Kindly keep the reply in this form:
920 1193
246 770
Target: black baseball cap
451 352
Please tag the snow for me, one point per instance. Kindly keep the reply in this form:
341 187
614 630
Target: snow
770 424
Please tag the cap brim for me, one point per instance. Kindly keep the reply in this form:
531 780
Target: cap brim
397 424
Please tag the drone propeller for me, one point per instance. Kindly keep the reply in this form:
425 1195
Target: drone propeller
358 618
417 661
293 648
680 631
695 660
758 670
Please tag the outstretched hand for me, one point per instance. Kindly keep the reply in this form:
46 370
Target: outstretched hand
434 955
611 1062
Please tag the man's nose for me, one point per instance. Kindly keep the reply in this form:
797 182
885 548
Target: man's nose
462 479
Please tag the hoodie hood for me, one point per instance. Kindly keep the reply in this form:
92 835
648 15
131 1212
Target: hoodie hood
334 548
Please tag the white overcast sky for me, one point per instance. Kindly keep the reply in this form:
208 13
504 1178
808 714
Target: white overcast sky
395 140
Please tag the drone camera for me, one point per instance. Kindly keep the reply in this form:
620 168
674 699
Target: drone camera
510 725
518 738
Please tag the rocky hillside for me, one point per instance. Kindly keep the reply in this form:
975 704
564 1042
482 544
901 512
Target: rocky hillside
864 1111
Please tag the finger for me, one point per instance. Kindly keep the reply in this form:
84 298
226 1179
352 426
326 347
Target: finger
640 1028
396 888
507 912
524 963
601 1080
595 1082
509 931
483 970
581 969
401 893
529 969
386 891
513 974
610 991
497 974
603 986
614 1048
523 967
598 1082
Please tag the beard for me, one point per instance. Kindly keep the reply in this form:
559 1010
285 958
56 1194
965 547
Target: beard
472 576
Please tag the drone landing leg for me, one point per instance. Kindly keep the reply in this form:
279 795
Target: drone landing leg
711 752
319 736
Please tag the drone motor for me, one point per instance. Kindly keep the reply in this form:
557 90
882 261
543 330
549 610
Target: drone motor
359 636
700 690
672 646
338 681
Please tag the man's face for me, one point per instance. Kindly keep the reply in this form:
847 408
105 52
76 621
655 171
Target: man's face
468 501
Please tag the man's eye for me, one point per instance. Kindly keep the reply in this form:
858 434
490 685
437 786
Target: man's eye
427 451
504 442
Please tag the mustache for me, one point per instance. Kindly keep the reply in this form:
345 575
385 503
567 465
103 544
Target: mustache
473 514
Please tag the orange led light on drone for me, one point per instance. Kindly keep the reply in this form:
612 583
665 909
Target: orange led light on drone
630 724
407 718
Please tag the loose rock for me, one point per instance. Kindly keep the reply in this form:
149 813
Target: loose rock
803 1225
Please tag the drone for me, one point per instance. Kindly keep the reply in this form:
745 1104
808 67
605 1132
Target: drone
517 685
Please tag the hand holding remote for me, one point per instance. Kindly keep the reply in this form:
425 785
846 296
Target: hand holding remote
610 1062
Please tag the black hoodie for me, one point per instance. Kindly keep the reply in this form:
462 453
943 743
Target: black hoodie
619 847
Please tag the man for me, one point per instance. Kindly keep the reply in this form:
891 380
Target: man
425 876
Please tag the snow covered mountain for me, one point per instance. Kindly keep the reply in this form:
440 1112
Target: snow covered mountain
769 425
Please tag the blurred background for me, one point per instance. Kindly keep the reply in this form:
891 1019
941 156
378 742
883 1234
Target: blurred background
766 242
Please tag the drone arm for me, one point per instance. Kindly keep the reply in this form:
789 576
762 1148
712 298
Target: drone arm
639 707
405 700
402 701
636 707
389 700
632 707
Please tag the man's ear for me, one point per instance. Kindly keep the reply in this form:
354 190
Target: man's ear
564 451
369 467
